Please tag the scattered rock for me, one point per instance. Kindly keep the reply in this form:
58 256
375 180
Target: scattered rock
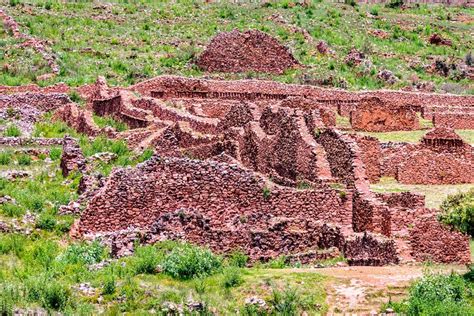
354 57
324 48
436 39
387 76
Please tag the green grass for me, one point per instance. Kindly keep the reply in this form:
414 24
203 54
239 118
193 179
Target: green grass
435 194
12 131
125 42
414 136
104 121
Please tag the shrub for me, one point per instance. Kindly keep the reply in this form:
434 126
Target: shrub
238 259
285 302
12 131
109 286
5 158
146 259
46 222
84 253
277 263
232 277
266 193
24 160
75 97
55 153
374 10
437 294
393 4
55 295
187 261
458 211
9 295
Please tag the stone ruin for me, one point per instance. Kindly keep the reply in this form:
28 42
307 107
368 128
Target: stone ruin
251 50
259 166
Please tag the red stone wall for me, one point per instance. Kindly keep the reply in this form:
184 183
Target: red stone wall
371 156
425 241
374 115
454 120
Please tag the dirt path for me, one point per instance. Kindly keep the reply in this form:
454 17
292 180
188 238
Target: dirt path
362 290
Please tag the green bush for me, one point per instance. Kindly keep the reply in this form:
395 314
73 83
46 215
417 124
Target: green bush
458 211
84 253
277 263
24 160
188 261
8 297
12 131
5 158
109 286
238 259
437 294
55 295
232 277
55 153
46 222
146 260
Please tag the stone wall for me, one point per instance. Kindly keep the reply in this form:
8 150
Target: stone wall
374 115
41 101
454 120
443 159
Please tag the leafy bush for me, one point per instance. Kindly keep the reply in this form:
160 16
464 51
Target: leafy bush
12 131
187 261
238 259
84 253
145 260
232 277
458 211
437 294
393 4
24 160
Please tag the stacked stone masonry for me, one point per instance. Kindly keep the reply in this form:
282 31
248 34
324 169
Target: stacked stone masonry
258 165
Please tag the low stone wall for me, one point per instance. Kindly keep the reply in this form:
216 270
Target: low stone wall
34 141
41 101
454 120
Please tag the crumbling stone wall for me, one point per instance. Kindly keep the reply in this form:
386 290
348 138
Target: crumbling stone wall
251 50
441 158
458 120
425 237
373 115
41 101
72 158
371 156
224 196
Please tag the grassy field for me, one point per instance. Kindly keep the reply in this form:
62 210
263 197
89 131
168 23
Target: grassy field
130 41
435 194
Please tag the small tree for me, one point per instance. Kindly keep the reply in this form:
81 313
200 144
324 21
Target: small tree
458 211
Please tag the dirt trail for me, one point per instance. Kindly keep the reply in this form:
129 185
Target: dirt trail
362 290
